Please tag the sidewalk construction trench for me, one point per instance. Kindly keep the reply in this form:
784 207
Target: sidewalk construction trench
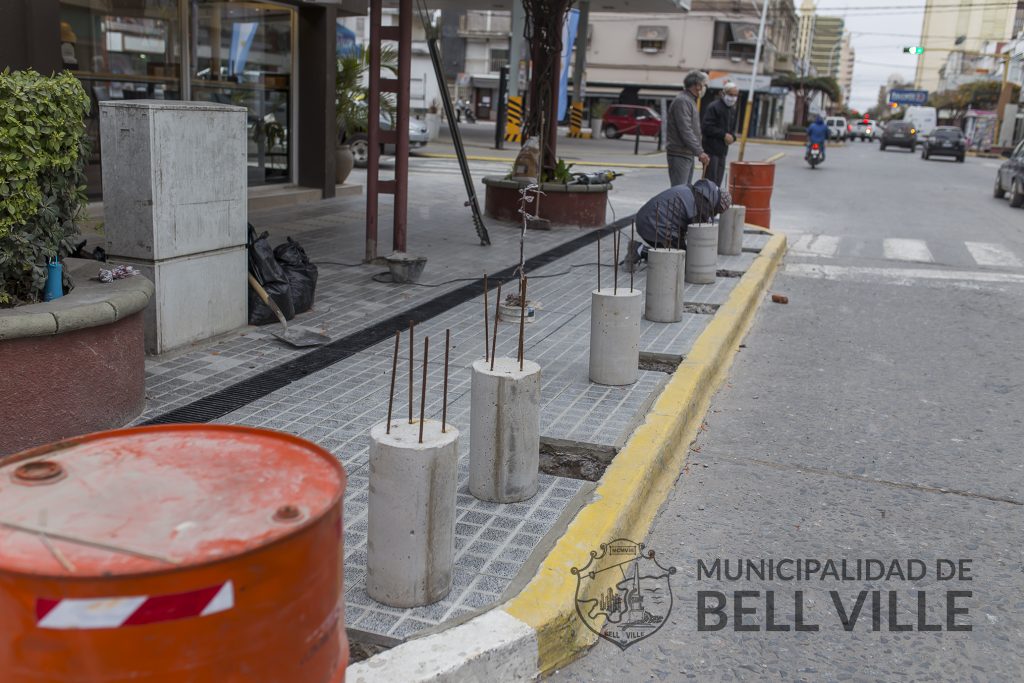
498 547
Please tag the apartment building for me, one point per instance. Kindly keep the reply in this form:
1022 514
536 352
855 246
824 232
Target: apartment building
820 42
847 57
973 24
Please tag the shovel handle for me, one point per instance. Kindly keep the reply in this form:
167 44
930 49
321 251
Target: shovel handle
258 288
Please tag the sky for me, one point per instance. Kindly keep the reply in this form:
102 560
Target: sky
880 30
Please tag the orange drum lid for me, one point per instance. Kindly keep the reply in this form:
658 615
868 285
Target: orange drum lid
158 498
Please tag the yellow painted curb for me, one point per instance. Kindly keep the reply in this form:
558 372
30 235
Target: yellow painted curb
576 162
643 473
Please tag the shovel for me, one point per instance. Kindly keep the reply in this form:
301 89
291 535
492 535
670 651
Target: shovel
296 335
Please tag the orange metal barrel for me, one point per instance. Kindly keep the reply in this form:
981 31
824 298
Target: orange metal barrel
751 183
200 553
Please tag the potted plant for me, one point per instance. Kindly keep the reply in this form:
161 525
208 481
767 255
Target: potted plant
433 119
351 108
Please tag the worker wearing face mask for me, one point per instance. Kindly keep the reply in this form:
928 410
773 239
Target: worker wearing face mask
719 128
683 140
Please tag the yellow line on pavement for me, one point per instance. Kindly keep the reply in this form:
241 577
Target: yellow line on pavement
577 162
642 475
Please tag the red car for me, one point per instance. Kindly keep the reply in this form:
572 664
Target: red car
624 119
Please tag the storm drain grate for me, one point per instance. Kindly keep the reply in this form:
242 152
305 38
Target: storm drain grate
246 391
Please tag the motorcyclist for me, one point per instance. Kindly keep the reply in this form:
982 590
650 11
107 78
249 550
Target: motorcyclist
817 133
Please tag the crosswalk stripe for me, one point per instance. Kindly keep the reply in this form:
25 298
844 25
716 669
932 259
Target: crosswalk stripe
899 276
907 250
824 246
988 254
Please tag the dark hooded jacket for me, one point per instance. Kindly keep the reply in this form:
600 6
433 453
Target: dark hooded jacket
663 220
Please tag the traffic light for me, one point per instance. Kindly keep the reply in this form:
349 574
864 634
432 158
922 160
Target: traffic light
914 50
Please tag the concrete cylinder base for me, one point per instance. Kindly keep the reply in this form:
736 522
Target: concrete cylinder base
665 271
701 253
504 432
411 514
730 230
615 336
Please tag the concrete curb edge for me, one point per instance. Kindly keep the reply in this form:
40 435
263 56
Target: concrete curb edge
538 630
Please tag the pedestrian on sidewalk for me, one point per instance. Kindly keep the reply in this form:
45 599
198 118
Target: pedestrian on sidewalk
683 137
718 125
663 220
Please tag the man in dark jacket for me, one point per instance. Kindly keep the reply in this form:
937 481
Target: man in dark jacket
719 128
663 220
683 138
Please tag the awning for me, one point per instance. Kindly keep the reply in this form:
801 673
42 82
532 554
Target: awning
616 90
653 33
485 82
720 78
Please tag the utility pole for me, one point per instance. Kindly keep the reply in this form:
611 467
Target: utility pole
753 80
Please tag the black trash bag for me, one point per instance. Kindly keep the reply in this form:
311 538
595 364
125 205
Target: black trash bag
301 273
268 272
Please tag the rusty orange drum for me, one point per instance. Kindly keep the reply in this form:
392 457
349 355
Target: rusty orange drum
751 184
168 554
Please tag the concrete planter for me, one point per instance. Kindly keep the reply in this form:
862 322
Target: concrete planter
74 365
580 205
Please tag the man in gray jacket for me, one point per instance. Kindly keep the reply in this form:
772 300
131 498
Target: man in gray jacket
684 138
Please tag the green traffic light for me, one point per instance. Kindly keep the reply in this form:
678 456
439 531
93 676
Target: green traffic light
914 50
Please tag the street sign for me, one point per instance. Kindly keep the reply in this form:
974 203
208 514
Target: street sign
908 96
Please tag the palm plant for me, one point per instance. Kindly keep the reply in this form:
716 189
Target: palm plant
352 93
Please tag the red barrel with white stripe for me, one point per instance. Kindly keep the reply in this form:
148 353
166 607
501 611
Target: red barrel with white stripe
201 553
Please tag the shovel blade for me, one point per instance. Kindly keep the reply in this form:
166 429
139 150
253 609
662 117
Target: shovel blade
302 336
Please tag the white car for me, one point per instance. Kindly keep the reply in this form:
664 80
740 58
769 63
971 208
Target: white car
837 127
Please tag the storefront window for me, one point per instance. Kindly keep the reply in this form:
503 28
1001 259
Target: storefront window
242 55
120 49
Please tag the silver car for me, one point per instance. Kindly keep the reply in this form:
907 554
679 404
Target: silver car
360 143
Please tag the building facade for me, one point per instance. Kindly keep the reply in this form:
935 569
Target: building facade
847 58
820 42
975 23
642 59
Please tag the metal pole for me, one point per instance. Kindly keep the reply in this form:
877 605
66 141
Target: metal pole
499 125
401 127
1004 98
515 53
581 51
373 132
753 80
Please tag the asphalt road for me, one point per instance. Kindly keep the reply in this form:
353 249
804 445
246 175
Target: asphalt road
877 416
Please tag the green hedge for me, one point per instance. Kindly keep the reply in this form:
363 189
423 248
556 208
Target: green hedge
42 180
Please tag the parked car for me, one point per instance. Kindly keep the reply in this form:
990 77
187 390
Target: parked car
837 127
623 119
360 142
865 130
945 141
1010 177
899 134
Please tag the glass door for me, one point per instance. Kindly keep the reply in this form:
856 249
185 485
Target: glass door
242 54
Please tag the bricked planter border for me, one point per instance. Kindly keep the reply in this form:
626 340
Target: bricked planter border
581 205
74 365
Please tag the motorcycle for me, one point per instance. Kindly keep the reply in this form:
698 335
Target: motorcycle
463 110
814 155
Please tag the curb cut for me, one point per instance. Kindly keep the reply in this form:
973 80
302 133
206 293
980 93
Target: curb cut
538 630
